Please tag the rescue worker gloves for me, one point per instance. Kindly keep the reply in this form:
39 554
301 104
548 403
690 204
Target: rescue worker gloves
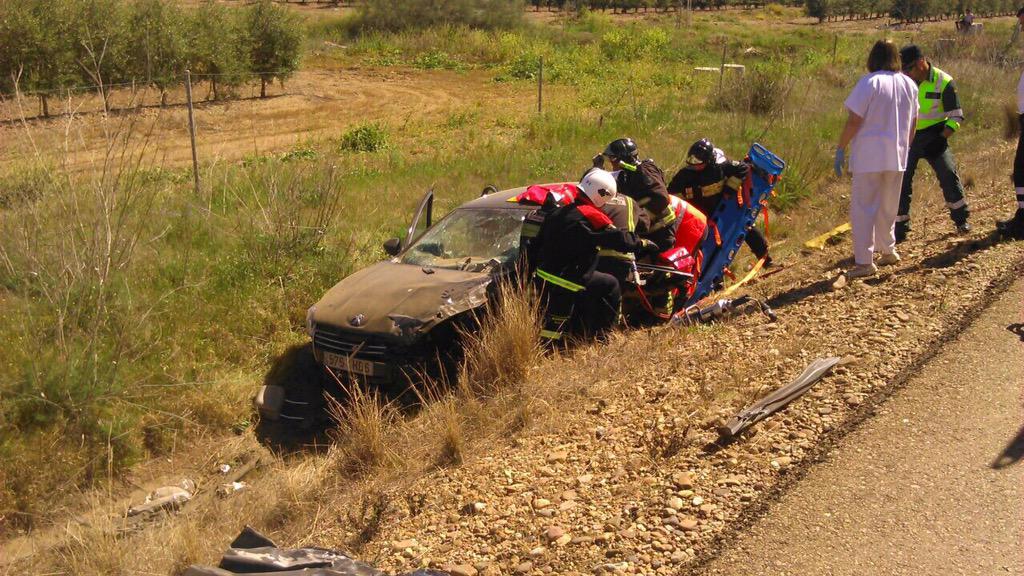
837 165
647 247
598 186
936 147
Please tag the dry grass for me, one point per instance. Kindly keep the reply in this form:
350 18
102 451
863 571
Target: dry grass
363 422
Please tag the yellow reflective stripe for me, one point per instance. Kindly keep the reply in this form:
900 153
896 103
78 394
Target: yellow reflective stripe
734 182
609 253
666 219
550 335
629 214
560 282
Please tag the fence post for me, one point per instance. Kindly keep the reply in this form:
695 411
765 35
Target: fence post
540 87
835 47
721 69
192 129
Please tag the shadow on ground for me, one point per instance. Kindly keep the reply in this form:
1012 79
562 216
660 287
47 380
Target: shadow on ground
1012 453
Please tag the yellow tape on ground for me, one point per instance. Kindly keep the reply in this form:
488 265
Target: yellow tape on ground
818 242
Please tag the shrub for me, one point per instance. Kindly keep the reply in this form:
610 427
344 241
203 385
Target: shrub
406 14
365 138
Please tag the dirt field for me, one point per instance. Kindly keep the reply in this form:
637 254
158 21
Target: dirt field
315 104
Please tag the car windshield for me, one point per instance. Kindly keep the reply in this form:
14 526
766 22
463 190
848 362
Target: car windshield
473 240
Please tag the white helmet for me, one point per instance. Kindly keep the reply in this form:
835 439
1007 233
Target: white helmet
599 186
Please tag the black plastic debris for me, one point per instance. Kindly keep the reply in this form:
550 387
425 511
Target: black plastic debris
253 553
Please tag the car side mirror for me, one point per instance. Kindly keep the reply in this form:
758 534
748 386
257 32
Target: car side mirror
393 246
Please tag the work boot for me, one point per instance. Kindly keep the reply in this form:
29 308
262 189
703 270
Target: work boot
901 231
963 228
1012 228
861 271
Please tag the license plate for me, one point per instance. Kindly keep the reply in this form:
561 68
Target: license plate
349 364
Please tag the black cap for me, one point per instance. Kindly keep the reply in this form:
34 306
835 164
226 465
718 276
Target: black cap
909 55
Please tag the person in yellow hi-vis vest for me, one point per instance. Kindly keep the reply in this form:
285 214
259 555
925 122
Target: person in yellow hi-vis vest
939 118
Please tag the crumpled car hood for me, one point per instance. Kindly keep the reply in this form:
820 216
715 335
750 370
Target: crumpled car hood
400 300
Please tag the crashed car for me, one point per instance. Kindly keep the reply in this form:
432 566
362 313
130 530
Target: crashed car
396 321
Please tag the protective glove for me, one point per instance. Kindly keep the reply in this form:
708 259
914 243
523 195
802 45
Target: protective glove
598 161
647 247
837 165
936 146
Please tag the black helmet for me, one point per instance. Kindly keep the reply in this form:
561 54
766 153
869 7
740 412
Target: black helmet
702 152
623 149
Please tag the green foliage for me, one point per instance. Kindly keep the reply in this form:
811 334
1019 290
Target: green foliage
274 39
156 31
365 138
217 46
410 14
624 44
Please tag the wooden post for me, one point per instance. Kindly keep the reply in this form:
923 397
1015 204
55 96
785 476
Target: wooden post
540 87
192 129
721 69
835 47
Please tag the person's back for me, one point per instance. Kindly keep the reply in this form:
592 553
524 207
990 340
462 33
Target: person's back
887 101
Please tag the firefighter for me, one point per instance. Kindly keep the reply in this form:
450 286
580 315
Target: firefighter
625 214
939 118
703 180
644 182
573 292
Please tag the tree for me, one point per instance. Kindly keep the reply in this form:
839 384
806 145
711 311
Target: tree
274 38
155 33
100 44
40 57
216 46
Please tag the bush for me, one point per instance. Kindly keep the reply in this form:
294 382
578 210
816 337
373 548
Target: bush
758 91
407 14
365 138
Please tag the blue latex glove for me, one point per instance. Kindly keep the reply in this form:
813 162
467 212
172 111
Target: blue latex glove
840 159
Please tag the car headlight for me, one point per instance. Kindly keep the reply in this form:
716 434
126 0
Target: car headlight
310 324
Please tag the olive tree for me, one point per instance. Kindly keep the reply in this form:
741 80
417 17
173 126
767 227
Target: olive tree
274 36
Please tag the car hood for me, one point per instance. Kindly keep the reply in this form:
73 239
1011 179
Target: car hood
400 300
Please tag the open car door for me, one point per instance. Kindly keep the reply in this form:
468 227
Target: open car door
424 215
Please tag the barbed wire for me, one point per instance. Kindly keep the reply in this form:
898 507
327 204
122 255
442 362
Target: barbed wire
84 88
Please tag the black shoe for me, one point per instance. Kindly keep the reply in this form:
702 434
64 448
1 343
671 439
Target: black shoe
1012 228
964 228
768 263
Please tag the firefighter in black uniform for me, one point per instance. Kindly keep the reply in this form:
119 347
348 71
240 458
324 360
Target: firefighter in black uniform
625 214
644 182
573 292
707 174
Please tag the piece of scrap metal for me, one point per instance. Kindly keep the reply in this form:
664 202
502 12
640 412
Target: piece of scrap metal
777 400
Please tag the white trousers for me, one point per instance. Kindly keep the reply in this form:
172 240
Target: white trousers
874 201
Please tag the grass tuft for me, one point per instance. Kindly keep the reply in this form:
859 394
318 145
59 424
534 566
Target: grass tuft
363 422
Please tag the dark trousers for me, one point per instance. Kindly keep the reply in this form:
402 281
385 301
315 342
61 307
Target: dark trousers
1018 168
592 311
945 170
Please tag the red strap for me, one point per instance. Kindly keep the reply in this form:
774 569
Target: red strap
597 219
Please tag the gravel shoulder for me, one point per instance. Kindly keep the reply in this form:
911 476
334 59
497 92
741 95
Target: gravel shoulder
913 490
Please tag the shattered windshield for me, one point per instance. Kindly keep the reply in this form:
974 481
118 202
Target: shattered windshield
473 240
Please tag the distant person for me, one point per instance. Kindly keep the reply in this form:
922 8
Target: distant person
939 118
644 182
709 176
965 23
1014 227
882 114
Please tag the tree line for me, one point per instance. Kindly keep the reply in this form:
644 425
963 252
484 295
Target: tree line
659 5
54 48
905 10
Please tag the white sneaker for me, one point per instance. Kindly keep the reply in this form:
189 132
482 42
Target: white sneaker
889 259
861 271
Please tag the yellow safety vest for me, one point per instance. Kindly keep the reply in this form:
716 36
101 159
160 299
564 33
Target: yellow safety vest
929 96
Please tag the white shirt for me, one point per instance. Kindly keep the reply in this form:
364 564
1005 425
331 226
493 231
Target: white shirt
1020 94
887 101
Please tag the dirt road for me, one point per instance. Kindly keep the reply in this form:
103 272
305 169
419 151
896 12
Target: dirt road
913 491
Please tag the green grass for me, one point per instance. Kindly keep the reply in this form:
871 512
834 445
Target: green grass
136 315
